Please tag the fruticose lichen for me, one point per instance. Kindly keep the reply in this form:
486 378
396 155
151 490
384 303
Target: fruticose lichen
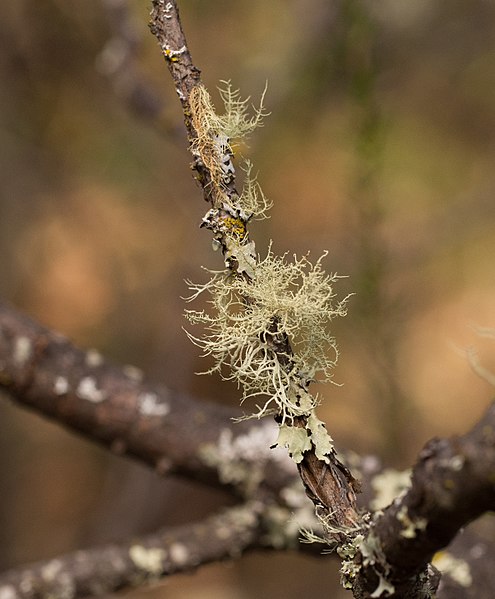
268 326
251 320
215 142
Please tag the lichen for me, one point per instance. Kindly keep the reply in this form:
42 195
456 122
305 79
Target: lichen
23 349
252 202
148 559
150 405
215 142
388 485
250 321
457 569
295 439
8 591
94 358
410 526
61 385
179 554
320 438
268 327
364 550
88 390
241 459
286 523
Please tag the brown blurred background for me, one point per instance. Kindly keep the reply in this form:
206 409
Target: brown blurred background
380 148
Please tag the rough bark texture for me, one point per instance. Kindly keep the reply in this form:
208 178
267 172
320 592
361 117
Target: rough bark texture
453 483
170 431
99 571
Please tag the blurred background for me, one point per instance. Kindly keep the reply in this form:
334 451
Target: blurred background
380 148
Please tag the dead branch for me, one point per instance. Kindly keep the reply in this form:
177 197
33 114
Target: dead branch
171 432
329 485
99 571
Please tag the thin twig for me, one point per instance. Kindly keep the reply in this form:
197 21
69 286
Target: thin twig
329 485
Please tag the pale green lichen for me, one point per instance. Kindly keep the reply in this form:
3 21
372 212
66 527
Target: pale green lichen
320 438
252 319
457 569
268 327
309 537
235 122
148 559
388 485
295 439
240 460
23 350
350 568
285 523
216 135
384 588
410 526
368 547
252 202
298 440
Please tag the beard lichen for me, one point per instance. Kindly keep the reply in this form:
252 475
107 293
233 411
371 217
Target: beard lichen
252 202
268 327
250 320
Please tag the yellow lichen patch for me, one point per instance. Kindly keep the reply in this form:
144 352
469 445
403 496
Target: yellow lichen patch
235 227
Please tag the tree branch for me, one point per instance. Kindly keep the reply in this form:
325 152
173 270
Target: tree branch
452 484
169 431
99 571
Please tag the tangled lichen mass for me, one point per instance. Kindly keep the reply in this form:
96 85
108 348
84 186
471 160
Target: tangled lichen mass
286 299
267 329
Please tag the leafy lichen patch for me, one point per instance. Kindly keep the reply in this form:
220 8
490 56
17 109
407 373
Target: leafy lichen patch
388 485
